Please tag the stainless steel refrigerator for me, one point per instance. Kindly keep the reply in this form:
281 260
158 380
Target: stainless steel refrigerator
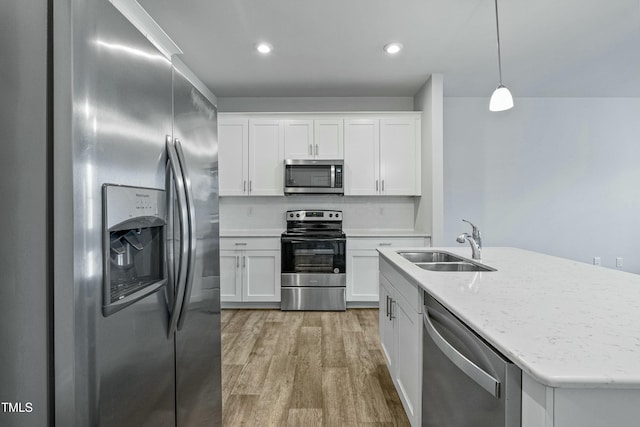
109 253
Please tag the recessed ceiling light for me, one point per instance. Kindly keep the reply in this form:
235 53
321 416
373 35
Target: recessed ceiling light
264 48
392 48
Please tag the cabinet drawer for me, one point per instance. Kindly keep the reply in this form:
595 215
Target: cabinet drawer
374 243
410 292
250 243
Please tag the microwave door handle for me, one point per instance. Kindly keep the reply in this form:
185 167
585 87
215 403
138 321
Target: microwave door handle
473 371
333 176
183 227
191 217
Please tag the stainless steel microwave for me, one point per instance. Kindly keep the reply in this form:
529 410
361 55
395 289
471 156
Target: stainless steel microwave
313 177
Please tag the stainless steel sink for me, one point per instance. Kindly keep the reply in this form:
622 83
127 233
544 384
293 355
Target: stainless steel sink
443 261
453 266
434 256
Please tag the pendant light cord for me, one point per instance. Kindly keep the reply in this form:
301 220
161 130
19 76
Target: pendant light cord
498 37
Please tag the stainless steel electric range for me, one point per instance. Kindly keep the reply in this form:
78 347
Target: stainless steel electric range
314 261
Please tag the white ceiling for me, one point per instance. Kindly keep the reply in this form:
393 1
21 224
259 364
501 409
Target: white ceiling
334 47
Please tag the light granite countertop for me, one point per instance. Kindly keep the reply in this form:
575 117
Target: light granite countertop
254 232
350 232
362 232
565 323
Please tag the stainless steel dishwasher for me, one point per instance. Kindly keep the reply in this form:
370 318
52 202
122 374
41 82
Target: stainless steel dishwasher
465 381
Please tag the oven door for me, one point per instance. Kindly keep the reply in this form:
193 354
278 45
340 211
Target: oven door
311 255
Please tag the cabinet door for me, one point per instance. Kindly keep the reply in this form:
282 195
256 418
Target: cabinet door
361 157
399 157
408 368
261 276
362 275
230 278
266 158
298 139
328 136
233 144
385 324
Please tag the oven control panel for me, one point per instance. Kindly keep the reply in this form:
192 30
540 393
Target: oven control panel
317 215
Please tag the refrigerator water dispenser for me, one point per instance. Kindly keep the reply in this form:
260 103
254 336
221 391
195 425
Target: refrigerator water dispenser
134 258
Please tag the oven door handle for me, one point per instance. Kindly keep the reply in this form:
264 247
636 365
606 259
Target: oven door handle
312 239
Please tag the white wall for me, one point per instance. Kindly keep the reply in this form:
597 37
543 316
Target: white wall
301 104
555 175
429 215
358 212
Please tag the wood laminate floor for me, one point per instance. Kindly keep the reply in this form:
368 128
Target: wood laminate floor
292 368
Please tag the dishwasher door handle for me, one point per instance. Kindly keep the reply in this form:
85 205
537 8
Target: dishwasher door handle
473 371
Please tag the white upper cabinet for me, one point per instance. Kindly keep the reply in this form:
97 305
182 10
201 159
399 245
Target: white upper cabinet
313 139
381 151
298 139
382 156
362 157
399 157
266 158
251 157
328 136
233 156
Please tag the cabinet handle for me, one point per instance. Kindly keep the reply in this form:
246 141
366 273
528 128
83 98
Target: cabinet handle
240 244
391 315
310 149
381 244
387 305
244 186
383 185
376 185
244 261
237 262
317 151
249 186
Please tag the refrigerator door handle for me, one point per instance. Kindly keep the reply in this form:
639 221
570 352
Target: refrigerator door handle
179 284
191 210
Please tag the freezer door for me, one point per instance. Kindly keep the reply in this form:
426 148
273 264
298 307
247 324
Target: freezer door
116 369
198 363
25 280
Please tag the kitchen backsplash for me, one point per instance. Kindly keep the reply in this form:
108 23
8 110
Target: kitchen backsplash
358 212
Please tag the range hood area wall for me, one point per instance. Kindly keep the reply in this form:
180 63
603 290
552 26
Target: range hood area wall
364 213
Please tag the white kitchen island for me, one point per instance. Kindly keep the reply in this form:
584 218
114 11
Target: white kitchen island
573 329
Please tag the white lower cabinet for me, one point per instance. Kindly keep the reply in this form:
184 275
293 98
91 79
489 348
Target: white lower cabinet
362 263
400 326
544 406
250 270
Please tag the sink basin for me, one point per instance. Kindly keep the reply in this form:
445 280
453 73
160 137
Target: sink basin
443 261
434 256
453 266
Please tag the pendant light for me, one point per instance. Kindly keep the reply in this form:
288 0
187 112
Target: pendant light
501 99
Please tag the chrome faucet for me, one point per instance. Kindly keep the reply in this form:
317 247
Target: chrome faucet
474 240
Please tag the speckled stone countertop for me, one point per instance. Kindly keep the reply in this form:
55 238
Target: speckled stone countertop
350 232
262 232
565 323
362 232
